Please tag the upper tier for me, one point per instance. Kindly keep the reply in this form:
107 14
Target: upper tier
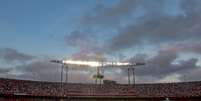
37 88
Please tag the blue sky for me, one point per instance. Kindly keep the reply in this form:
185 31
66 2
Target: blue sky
38 26
158 32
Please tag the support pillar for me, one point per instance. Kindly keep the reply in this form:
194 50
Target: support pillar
62 79
66 74
129 76
133 71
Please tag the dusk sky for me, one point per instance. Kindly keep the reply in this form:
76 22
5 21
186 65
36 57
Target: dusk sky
165 34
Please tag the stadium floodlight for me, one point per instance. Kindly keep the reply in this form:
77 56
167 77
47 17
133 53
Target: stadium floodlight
99 76
62 70
98 65
131 69
63 65
56 61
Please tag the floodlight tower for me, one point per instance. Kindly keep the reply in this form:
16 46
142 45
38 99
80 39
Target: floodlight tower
100 70
131 71
62 70
98 76
129 66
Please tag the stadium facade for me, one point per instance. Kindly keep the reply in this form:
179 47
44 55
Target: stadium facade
24 90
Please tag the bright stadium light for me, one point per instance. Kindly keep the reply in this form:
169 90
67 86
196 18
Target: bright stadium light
97 64
85 63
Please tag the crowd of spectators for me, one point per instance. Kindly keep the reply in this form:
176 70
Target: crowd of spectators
39 88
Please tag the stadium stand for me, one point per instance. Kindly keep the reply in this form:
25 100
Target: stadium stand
24 90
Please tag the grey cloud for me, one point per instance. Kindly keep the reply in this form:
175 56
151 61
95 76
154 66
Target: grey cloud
79 38
146 79
81 76
165 29
155 26
138 58
40 70
87 54
10 55
159 65
43 70
157 68
162 65
108 16
190 47
193 75
4 70
89 47
8 58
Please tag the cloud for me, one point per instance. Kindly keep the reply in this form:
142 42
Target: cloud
79 38
107 16
186 47
138 22
138 58
156 30
10 55
159 68
133 23
156 24
193 75
41 69
4 70
79 76
162 68
170 78
163 64
88 46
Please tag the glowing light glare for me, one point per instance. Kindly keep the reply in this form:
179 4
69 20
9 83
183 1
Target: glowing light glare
95 63
117 63
88 63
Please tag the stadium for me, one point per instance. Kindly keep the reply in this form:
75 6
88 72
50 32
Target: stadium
101 90
100 50
24 90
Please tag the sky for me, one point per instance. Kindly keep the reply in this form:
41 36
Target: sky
165 34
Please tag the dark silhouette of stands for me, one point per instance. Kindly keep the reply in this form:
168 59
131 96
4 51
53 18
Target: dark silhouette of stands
108 89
